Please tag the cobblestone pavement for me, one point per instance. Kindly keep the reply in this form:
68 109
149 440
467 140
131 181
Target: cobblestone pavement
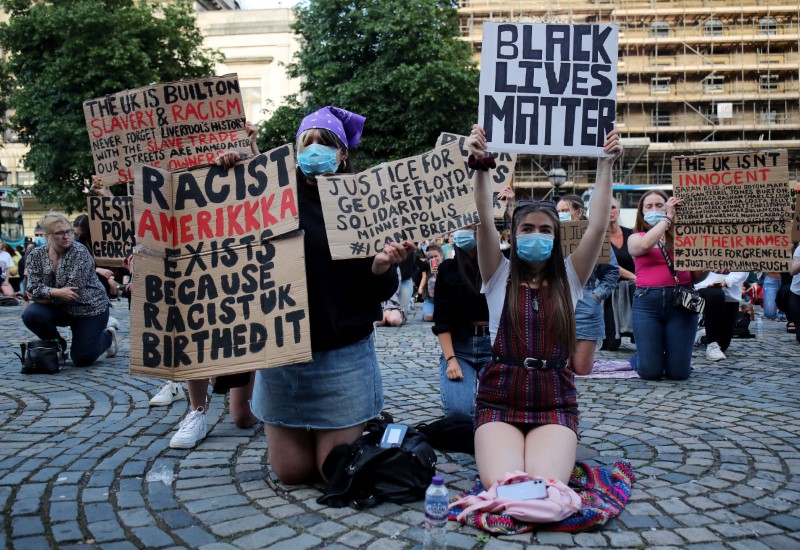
716 458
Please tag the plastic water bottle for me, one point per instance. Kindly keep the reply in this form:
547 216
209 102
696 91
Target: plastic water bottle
759 328
435 515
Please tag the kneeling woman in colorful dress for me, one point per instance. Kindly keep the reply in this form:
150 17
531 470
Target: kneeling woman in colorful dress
526 415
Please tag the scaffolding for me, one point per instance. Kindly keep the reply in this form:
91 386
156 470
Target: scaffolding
693 76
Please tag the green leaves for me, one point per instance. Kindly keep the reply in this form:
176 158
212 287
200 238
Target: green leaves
63 52
399 63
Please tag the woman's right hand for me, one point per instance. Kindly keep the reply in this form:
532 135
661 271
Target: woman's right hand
67 293
476 142
453 371
672 203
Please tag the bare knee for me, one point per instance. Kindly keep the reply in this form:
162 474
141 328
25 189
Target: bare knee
294 469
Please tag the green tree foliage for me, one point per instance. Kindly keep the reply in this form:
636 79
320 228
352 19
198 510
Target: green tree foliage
397 62
63 52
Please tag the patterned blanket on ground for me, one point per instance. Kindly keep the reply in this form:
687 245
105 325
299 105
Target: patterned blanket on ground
607 368
604 492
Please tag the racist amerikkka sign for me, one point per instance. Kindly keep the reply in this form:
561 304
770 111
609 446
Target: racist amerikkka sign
170 126
548 88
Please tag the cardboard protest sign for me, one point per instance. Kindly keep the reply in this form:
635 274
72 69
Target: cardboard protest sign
111 226
548 88
169 126
796 219
192 211
501 176
411 199
220 312
571 234
737 211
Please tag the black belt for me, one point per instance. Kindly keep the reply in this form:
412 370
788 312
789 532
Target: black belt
530 363
479 330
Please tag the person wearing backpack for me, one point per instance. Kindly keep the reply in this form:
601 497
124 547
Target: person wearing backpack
526 414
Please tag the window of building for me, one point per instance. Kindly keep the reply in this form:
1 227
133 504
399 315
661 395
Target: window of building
659 84
713 84
768 25
660 117
659 28
712 27
25 179
768 83
768 116
662 178
251 96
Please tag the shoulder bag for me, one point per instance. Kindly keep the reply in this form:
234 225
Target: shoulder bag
40 357
687 299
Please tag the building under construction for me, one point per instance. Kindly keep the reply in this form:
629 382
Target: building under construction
694 76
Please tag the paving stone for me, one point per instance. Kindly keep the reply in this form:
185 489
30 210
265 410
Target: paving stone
265 537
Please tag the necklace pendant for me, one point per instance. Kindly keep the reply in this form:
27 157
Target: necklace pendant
535 304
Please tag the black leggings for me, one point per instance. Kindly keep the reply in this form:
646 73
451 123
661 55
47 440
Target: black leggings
794 313
720 316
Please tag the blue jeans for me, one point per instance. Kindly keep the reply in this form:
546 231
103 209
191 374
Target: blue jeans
770 288
404 293
458 396
89 336
427 308
664 335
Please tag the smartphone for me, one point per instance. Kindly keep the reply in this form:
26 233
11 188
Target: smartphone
433 263
524 490
393 435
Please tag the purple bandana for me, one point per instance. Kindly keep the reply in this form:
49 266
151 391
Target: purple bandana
346 125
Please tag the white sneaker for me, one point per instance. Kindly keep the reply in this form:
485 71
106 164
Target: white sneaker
112 349
192 429
713 353
113 322
167 395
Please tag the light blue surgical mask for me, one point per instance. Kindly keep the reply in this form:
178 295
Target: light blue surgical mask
655 216
39 240
464 239
533 248
565 216
317 159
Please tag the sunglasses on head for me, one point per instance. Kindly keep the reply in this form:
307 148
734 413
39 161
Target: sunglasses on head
529 203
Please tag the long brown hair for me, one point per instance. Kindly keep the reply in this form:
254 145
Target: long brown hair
562 322
643 227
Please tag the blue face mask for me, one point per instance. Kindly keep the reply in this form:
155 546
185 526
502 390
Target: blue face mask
655 216
317 159
565 216
39 241
533 248
464 239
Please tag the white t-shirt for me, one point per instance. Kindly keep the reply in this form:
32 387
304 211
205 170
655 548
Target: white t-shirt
733 284
5 262
495 291
795 288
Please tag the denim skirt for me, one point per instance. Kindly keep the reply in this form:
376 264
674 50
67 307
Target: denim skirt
340 388
589 318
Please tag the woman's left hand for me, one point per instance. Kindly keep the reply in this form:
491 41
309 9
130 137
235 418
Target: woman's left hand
227 160
392 254
453 371
612 146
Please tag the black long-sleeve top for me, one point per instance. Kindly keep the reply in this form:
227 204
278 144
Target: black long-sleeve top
344 296
455 306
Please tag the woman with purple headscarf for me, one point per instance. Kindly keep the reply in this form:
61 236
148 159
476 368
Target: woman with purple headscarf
309 408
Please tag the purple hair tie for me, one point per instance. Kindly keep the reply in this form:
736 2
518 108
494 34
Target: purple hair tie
482 164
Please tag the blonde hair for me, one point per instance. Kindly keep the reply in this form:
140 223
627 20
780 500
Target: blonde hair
52 219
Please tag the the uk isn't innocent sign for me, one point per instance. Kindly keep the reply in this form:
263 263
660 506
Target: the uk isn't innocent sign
548 88
737 211
170 126
411 199
192 211
500 177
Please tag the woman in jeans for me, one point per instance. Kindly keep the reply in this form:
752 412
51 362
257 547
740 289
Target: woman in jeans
461 322
664 333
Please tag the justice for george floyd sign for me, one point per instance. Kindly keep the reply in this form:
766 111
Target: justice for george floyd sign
412 199
548 88
221 312
500 177
169 126
192 211
111 227
737 212
571 235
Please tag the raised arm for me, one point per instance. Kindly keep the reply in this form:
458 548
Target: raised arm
489 254
642 244
585 256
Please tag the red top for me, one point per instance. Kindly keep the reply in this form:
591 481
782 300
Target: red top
652 270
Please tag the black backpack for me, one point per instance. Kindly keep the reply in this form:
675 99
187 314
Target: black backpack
364 474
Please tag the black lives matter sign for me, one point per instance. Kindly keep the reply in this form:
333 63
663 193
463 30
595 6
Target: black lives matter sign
548 88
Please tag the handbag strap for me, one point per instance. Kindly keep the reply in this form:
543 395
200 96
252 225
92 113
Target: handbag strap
669 262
